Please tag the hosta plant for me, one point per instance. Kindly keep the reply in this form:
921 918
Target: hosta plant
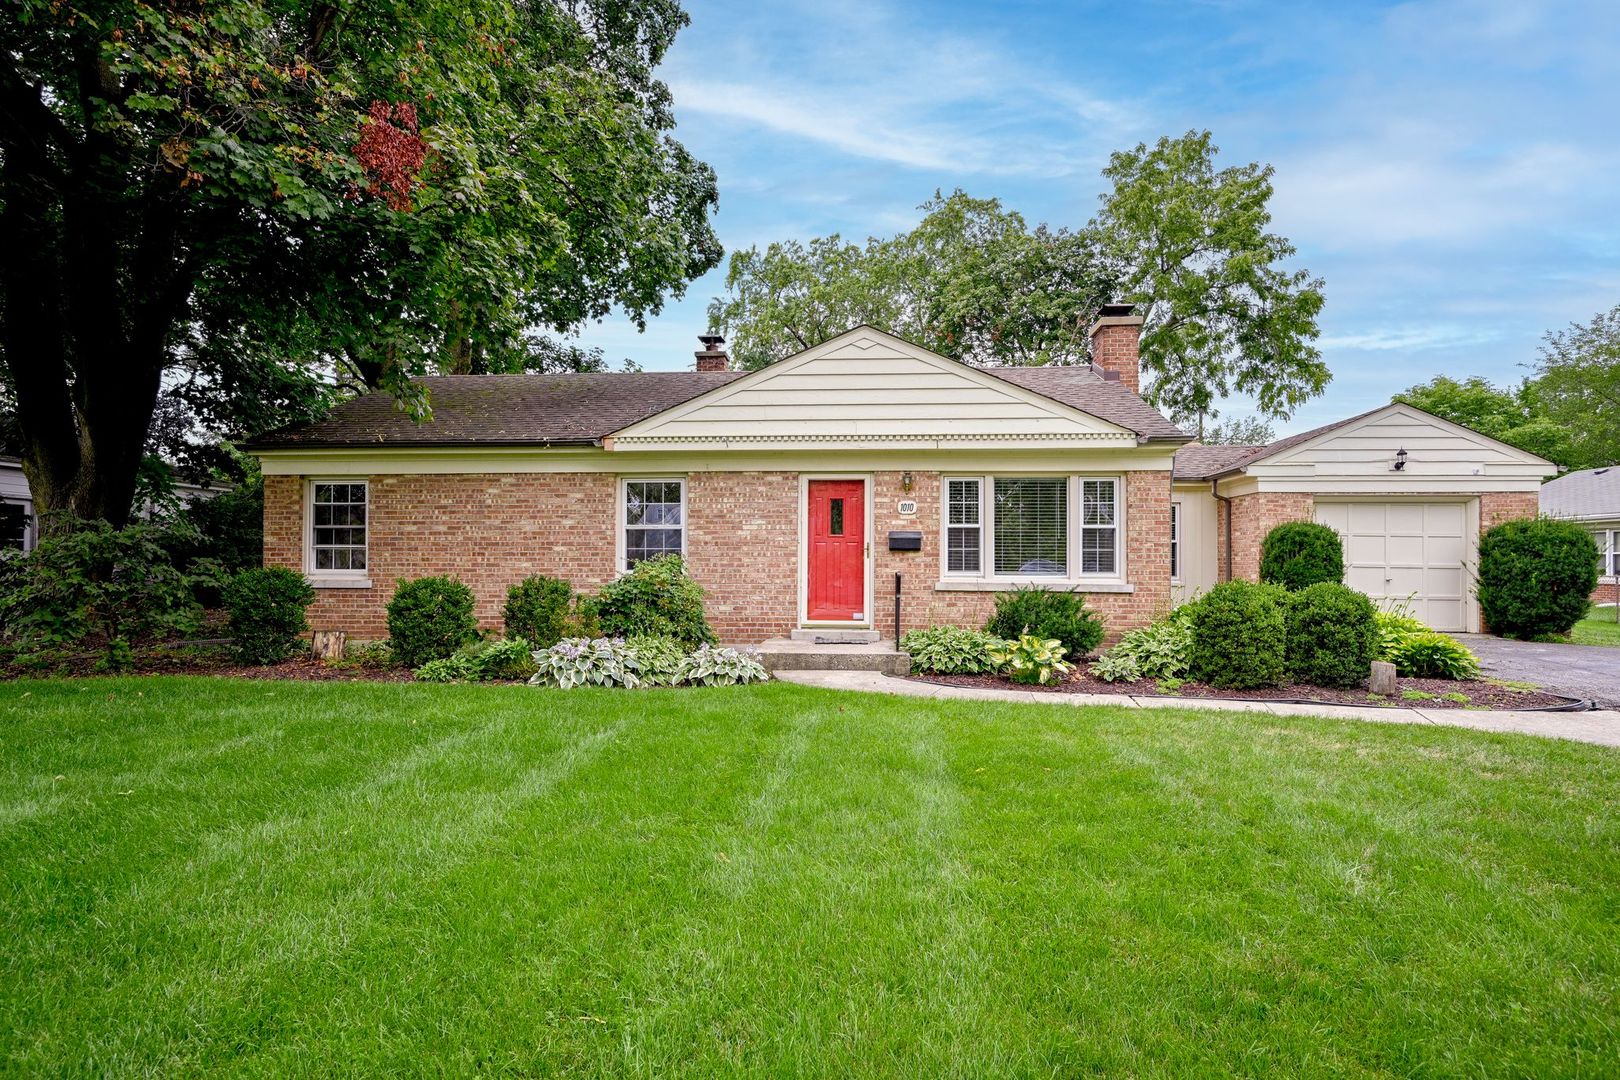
503 660
1116 665
710 666
951 650
1432 655
585 662
1159 650
1032 659
658 659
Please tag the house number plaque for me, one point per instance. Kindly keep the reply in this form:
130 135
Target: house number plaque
908 507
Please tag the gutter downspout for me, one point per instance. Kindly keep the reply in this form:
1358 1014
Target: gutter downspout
1218 497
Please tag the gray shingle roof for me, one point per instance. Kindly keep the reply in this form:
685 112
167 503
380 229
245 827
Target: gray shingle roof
579 409
1591 494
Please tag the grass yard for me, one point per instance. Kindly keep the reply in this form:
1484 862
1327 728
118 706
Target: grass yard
1598 628
222 876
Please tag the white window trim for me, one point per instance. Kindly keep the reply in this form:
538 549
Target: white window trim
334 579
1609 548
987 580
621 554
1178 555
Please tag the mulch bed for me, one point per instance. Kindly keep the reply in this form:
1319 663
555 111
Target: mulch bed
1481 693
216 661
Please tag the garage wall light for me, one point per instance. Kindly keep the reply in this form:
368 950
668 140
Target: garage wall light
1400 459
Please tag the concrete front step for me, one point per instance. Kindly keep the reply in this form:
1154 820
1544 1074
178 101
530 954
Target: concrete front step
785 654
835 637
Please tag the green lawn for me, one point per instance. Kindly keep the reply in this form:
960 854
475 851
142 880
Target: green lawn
1598 628
264 878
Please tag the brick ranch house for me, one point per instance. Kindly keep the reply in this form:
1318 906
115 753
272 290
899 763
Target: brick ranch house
1591 498
799 492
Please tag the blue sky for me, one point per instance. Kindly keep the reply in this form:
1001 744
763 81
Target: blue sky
1452 169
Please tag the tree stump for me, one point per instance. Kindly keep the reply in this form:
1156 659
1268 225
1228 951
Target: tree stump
328 644
1383 679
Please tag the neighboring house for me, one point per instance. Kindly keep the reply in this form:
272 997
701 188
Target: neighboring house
1407 491
1591 497
804 494
19 525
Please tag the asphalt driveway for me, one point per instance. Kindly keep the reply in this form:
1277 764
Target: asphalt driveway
1588 671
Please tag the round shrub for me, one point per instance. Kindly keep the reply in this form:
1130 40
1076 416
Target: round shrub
537 610
1047 613
655 597
1239 636
266 607
1535 576
429 619
1299 554
1332 635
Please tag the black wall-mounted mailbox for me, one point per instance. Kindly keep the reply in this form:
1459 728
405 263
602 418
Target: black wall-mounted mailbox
905 541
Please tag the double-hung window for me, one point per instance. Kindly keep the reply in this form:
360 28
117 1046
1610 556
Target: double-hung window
1032 527
654 519
337 540
1608 542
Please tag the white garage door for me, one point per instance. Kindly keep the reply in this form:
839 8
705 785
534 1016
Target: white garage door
1408 553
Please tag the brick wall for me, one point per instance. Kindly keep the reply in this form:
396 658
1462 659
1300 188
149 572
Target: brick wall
491 530
1496 507
1114 348
1255 515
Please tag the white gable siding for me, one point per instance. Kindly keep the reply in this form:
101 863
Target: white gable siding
868 386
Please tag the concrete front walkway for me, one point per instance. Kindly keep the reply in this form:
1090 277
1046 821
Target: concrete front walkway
1600 726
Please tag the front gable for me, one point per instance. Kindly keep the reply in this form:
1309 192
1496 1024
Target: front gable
869 388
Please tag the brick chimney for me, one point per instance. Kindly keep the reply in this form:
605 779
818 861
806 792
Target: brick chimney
713 357
1113 345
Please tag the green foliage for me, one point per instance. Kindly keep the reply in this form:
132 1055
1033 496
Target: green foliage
1239 636
281 188
537 610
370 654
1298 554
1223 310
1332 635
1429 654
1116 665
88 580
1161 650
1578 381
972 281
266 606
709 666
501 660
951 650
1239 431
658 660
1032 659
655 597
1046 613
1536 576
429 619
1392 628
586 662
230 525
1517 416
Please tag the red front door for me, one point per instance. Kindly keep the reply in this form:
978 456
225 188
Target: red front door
835 583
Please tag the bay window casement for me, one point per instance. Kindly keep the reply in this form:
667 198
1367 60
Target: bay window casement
1038 529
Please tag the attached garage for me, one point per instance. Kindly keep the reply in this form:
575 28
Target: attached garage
1408 553
1408 493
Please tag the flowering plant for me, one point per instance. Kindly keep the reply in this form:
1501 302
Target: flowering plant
586 662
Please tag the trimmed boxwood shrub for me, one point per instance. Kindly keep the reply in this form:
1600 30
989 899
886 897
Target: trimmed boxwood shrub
537 610
1535 576
655 597
1332 635
1047 613
266 607
429 619
1239 636
1299 554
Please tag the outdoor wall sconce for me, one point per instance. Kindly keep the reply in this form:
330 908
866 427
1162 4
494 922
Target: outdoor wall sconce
905 479
1400 459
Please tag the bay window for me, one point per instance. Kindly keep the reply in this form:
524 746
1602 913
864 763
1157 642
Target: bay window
1016 528
654 519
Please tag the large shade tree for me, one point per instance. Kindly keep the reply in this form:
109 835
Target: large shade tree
236 195
1578 381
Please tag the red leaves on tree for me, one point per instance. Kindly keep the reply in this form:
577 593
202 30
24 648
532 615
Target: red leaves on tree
392 153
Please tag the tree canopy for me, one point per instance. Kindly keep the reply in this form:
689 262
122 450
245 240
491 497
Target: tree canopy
245 198
1578 383
972 281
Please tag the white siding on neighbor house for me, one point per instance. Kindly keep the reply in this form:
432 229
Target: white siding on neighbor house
867 385
14 492
1359 458
1200 564
1409 553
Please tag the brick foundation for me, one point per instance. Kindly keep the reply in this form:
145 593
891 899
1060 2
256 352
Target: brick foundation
492 530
